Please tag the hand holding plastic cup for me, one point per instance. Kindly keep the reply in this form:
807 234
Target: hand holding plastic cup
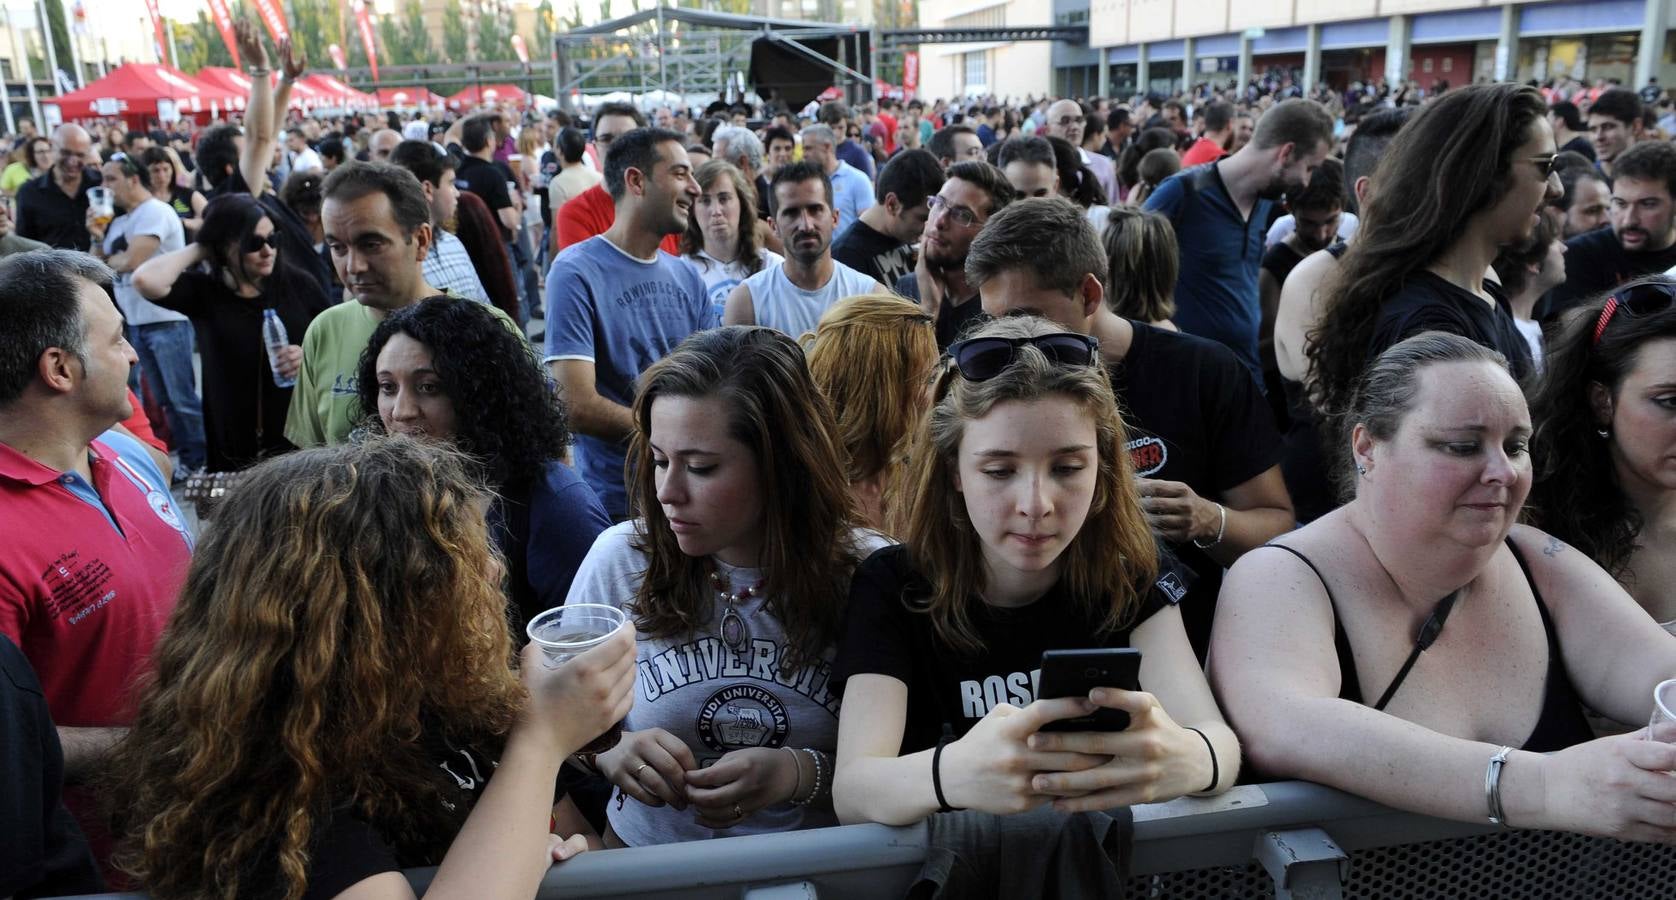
103 205
566 632
1662 727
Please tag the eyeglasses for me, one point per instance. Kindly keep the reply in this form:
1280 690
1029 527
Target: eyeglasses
1068 121
1546 164
1640 300
961 215
253 243
982 358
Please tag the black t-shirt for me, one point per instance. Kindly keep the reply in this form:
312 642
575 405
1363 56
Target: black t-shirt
46 214
1596 262
953 319
765 199
1194 415
549 170
886 633
1280 260
1580 144
1426 302
878 256
486 180
43 853
244 411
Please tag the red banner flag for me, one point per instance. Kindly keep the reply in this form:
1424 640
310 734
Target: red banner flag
338 59
519 48
161 39
363 20
224 24
910 73
272 14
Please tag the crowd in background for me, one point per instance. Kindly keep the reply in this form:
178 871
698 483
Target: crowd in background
1353 412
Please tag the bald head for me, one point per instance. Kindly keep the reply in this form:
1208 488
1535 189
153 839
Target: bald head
73 144
383 143
1065 120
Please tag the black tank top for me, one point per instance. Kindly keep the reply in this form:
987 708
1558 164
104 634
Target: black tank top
1561 724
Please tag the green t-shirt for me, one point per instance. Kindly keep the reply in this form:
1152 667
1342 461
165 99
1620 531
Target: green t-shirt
14 177
326 403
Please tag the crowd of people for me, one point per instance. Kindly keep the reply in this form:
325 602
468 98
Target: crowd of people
1351 412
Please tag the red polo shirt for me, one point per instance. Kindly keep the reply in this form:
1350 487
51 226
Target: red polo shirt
86 594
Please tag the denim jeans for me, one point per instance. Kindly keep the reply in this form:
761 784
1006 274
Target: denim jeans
165 351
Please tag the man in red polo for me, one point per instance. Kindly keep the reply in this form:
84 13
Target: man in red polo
92 547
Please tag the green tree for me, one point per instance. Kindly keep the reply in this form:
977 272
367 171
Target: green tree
542 46
494 35
416 38
60 29
456 42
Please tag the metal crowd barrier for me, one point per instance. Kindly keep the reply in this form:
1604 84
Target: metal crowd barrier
1283 840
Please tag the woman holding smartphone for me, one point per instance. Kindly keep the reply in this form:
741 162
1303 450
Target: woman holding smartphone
1024 534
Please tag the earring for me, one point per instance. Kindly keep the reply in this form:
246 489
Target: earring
1361 469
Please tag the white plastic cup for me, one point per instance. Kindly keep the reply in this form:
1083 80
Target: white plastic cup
1662 726
565 632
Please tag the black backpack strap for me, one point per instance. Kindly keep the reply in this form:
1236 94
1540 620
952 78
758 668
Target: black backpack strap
1429 630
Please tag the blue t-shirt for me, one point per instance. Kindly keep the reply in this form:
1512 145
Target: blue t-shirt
851 193
622 314
1221 254
544 529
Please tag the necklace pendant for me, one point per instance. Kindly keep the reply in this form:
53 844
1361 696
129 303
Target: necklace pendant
736 634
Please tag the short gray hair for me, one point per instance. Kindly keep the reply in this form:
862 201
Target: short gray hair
821 134
40 301
743 148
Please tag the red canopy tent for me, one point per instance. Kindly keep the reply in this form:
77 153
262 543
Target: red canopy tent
479 95
335 93
409 96
139 91
227 79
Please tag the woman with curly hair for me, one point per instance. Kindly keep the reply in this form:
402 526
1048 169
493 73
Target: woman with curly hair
334 687
246 275
721 236
1605 414
1024 533
872 356
1468 175
453 371
734 574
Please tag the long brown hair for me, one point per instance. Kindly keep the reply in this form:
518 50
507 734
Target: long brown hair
775 409
1111 561
1450 161
748 252
870 356
338 610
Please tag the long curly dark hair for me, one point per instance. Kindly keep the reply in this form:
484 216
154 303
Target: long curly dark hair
1576 496
342 607
776 409
1451 160
507 414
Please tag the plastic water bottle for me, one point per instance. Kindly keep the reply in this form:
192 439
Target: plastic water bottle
273 334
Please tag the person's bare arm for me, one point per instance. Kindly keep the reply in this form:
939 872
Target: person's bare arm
739 309
509 218
291 67
85 749
141 247
260 135
1258 510
590 414
1299 310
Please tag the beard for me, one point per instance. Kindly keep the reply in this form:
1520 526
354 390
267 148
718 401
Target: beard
1278 187
807 254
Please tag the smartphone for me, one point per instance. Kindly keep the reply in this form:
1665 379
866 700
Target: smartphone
1073 673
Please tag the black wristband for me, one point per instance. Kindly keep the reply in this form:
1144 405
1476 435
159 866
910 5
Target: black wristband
1215 770
937 773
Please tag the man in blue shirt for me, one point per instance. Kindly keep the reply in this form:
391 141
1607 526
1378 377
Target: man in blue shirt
1220 212
852 190
616 303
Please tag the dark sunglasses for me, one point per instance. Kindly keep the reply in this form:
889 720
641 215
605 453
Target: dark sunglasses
129 167
983 358
1545 165
1639 300
253 243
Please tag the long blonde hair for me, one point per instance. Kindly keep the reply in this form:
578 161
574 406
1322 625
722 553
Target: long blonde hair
1111 561
871 355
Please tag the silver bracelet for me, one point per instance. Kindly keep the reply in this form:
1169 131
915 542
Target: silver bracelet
820 779
1221 529
1492 787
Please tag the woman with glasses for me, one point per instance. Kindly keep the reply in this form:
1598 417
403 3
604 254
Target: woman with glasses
243 277
29 160
1468 175
1605 441
1433 655
1023 534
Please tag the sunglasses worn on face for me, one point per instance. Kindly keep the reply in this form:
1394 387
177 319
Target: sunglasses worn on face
983 358
1636 301
253 243
1545 165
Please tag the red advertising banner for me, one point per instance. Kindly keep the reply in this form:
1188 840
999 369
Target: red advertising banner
337 56
363 21
161 39
272 14
519 48
910 72
224 24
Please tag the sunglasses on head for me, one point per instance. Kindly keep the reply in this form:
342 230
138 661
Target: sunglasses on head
1639 300
983 358
253 243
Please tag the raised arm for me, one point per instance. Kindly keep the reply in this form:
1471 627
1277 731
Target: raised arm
291 68
157 277
259 126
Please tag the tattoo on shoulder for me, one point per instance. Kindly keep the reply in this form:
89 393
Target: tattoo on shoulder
1554 547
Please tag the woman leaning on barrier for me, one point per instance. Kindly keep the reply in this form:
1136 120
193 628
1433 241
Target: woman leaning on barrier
333 694
1023 534
1418 648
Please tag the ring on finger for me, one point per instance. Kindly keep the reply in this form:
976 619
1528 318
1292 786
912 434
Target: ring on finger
737 812
638 768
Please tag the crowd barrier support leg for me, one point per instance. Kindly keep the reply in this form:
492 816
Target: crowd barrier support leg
1305 864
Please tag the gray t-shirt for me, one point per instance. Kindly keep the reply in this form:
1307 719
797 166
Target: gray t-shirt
784 306
156 219
714 701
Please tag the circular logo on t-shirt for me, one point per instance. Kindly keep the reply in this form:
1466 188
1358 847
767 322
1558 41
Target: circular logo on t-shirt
164 509
742 716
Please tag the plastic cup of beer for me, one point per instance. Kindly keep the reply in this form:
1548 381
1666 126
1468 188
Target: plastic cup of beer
1662 726
566 632
103 205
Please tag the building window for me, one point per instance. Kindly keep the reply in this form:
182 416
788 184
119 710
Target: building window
977 71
